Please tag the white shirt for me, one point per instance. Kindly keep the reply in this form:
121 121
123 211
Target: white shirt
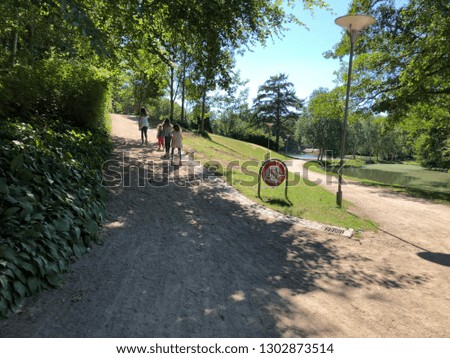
143 122
177 140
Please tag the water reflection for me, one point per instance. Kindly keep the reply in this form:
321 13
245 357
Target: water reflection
403 175
380 176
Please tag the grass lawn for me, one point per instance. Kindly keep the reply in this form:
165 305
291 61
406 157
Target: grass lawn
239 162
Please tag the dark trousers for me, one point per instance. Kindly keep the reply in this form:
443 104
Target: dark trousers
167 140
144 134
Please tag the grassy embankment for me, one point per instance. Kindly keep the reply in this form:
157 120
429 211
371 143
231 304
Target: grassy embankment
306 200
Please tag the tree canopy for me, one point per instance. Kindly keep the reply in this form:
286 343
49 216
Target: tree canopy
195 39
276 104
115 29
402 69
323 117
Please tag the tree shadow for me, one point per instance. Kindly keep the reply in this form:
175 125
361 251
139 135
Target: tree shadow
278 202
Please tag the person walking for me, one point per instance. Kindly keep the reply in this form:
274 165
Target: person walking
177 141
160 136
167 133
143 125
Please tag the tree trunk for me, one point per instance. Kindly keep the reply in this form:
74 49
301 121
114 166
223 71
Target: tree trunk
278 122
203 109
172 92
15 39
183 93
30 29
277 138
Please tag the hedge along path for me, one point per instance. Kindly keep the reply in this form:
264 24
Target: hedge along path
187 258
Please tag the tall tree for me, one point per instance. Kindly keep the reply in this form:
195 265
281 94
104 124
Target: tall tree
403 58
277 104
108 33
231 110
402 67
324 115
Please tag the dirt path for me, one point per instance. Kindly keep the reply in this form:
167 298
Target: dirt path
186 256
418 222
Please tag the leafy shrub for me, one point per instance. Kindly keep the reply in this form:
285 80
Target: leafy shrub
52 203
259 139
78 94
87 98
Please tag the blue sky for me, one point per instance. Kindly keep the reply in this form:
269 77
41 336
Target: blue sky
299 54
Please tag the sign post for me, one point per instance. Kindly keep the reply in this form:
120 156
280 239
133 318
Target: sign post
273 172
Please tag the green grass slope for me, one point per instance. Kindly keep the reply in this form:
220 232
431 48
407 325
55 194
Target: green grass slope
239 162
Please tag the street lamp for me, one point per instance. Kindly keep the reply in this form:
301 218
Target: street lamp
353 25
269 126
287 142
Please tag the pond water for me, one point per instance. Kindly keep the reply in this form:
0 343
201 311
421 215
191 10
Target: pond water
401 174
304 156
405 175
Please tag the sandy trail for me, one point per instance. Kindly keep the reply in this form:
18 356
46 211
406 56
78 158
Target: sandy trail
187 256
417 222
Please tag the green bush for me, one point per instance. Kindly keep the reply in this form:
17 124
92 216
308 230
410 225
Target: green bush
52 203
76 93
87 98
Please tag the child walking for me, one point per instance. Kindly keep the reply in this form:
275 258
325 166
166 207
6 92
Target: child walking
167 133
160 136
177 141
143 124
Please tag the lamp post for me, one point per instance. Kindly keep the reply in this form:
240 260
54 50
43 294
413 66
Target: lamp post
287 142
353 25
269 126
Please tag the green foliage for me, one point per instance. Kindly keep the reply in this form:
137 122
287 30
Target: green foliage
196 40
76 93
277 105
144 80
429 125
402 59
401 68
323 121
36 30
52 203
160 109
85 97
238 125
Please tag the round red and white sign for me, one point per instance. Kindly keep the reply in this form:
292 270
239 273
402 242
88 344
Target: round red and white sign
273 172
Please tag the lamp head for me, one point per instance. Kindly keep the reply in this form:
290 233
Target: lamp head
355 24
